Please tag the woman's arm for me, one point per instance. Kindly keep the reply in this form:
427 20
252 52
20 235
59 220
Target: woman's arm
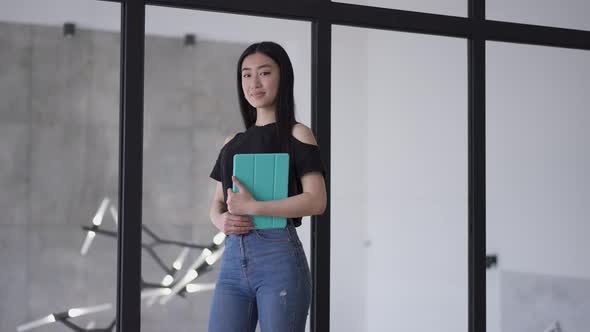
312 201
223 219
217 205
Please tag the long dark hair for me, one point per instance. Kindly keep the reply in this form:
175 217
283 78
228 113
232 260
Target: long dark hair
285 110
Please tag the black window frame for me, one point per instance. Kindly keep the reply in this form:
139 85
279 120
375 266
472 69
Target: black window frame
322 14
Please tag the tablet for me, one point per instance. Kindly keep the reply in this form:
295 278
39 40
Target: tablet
266 176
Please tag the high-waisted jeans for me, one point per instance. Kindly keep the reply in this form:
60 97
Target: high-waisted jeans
264 277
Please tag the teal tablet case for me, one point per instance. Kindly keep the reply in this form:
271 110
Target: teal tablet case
266 176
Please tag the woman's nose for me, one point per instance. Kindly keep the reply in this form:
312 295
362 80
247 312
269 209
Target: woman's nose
256 82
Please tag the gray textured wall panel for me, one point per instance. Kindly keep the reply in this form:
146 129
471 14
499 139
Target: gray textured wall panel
100 266
215 75
60 86
105 73
168 83
206 146
101 167
57 280
15 72
57 179
167 170
533 302
14 173
14 276
208 112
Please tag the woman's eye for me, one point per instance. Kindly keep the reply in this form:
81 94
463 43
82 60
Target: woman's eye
263 73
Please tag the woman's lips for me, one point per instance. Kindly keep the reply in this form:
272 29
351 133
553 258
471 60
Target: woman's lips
256 95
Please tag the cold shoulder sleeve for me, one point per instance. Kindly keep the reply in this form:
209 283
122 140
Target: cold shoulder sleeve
216 172
307 158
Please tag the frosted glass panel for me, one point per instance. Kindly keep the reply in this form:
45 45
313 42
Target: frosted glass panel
445 7
538 201
399 182
191 105
572 14
59 163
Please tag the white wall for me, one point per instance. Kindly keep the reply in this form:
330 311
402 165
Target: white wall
538 129
349 187
538 158
417 207
538 199
389 184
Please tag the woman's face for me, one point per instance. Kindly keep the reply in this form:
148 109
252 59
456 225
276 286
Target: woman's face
260 80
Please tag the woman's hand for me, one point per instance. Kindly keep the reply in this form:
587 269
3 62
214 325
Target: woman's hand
242 202
232 224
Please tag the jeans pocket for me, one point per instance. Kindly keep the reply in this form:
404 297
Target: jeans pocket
273 234
229 242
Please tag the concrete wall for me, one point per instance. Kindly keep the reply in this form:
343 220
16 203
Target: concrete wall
59 157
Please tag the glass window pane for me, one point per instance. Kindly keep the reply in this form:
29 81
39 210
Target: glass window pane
399 182
59 151
191 105
572 14
446 7
538 201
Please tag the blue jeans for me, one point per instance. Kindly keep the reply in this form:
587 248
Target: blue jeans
264 277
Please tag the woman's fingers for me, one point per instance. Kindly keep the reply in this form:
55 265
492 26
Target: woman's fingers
238 224
241 222
241 225
234 217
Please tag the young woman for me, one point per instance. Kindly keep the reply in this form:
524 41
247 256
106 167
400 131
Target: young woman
264 274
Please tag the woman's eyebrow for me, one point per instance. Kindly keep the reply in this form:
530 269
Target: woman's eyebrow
261 66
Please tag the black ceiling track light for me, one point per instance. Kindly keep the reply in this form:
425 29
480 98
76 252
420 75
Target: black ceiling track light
491 261
69 29
189 40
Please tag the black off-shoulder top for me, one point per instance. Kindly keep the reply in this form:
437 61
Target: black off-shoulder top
303 158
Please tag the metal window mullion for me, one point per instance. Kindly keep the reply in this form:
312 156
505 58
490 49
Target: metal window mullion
321 48
391 19
130 166
476 169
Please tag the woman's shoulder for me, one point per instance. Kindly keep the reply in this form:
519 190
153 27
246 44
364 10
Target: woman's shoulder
228 138
303 134
227 142
231 137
